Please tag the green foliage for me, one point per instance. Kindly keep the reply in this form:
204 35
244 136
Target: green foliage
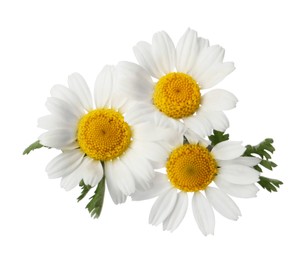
32 147
218 137
269 184
257 168
85 190
268 164
96 201
264 150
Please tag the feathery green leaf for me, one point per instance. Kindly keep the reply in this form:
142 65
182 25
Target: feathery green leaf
257 168
261 149
32 147
218 137
264 150
85 190
96 201
269 184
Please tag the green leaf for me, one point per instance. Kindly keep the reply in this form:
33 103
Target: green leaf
96 201
269 184
262 149
85 190
268 145
273 164
32 147
265 154
257 168
267 164
218 137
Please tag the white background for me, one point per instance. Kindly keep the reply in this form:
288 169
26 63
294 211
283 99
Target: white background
42 42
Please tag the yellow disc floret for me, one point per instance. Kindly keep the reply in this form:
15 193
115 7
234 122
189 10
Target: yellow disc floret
191 168
177 95
103 134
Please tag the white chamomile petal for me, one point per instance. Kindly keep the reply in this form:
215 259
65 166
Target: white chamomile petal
139 113
187 51
114 191
103 87
236 190
204 142
222 203
161 120
203 44
117 196
62 110
178 213
199 125
160 184
163 52
206 59
215 54
72 146
50 122
244 160
217 119
191 136
122 177
162 207
216 74
150 150
144 55
143 132
247 161
79 86
239 174
147 132
218 100
118 101
67 95
134 81
57 138
64 164
135 72
228 150
140 168
92 171
72 180
203 213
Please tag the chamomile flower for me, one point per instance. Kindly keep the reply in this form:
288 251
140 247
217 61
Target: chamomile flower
193 168
171 81
107 140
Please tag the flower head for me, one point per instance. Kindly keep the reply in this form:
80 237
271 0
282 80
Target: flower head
106 140
170 82
193 168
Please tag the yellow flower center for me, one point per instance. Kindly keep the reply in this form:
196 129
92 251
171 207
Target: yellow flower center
177 95
191 167
103 134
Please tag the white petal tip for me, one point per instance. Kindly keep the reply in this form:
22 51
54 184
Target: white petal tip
66 188
153 223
